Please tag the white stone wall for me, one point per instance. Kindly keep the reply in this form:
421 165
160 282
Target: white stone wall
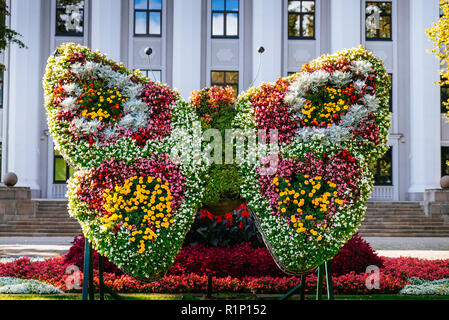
186 54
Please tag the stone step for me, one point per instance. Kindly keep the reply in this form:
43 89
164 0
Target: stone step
405 219
405 227
39 234
382 233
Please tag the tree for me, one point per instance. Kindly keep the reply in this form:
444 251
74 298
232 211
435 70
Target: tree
439 35
7 35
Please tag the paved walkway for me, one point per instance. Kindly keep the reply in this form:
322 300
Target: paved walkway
427 248
34 247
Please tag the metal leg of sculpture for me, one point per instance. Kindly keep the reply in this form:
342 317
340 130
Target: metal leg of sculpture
300 287
87 255
88 280
319 284
329 283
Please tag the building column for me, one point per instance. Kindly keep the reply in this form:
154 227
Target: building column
187 46
345 24
425 135
25 106
107 27
267 33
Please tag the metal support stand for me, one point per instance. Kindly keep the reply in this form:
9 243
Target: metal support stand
325 267
209 287
88 280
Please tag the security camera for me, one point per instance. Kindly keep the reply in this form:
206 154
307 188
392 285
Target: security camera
148 51
261 50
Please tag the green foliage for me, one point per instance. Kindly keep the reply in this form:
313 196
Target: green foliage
7 35
223 183
216 109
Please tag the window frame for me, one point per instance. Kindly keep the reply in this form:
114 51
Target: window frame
224 12
301 16
2 88
443 86
69 34
390 150
444 166
67 169
377 38
148 11
225 82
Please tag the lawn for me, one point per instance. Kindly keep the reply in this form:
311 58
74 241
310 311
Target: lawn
216 297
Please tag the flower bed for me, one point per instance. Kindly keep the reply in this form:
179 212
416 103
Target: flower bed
391 281
394 276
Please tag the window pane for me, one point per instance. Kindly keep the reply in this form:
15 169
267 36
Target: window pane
236 90
140 4
444 159
141 23
294 6
232 5
232 24
1 91
378 20
308 25
385 27
444 98
217 24
217 77
232 77
293 25
69 17
308 6
60 170
218 5
155 4
155 23
71 171
383 169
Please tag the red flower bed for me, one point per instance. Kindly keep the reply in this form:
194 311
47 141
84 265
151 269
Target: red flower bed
241 260
393 277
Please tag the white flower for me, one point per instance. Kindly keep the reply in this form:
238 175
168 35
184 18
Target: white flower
341 78
319 77
68 104
361 67
69 88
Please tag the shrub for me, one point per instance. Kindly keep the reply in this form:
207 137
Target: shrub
355 256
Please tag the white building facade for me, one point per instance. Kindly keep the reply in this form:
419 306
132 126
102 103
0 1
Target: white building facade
199 43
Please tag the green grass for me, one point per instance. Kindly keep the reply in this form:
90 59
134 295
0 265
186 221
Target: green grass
215 297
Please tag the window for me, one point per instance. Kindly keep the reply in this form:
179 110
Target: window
148 17
226 78
154 75
383 169
62 171
444 160
391 92
225 18
444 96
70 18
301 19
378 20
2 74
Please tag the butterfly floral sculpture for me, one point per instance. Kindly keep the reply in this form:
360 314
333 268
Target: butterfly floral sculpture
136 199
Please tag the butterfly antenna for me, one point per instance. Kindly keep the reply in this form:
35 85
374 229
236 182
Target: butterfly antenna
149 52
261 50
